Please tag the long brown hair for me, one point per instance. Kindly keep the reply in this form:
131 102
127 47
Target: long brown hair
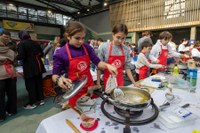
74 27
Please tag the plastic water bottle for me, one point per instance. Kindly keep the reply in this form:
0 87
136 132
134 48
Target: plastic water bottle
192 78
175 70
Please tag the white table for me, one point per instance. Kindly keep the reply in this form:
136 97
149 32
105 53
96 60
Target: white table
56 123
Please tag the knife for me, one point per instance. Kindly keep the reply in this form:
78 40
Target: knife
72 126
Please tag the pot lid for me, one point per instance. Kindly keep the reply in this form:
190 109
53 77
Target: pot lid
77 85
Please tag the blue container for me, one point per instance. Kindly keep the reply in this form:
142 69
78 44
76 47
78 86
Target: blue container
46 61
192 76
192 73
135 58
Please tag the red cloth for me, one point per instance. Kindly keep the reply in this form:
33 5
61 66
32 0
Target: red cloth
143 72
163 57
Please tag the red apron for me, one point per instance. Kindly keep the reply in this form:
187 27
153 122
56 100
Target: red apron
8 68
117 61
143 72
79 66
163 57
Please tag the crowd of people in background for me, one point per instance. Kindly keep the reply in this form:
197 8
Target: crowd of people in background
72 55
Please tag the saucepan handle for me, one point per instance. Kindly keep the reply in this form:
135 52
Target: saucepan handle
101 94
104 96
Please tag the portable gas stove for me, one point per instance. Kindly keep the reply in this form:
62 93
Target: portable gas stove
130 117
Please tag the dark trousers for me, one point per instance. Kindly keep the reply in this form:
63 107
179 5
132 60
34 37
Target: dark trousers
8 88
34 88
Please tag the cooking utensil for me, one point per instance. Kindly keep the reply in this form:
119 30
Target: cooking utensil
138 99
117 91
72 126
76 86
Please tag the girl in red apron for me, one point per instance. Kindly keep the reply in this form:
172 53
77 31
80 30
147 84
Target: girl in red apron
115 55
74 59
118 62
81 66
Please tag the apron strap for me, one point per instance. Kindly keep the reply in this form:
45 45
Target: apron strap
110 49
69 54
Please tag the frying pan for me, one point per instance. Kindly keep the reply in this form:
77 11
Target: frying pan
133 99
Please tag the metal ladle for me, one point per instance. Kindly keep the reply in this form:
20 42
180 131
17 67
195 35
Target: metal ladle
169 97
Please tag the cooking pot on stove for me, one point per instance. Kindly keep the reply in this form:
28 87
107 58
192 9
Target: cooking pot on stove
134 99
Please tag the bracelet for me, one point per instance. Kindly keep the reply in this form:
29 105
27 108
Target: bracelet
57 79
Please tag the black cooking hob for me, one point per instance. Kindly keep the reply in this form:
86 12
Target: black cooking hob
129 117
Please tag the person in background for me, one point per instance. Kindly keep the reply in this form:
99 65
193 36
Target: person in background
64 39
146 36
117 54
31 53
194 49
56 44
99 42
11 44
161 50
182 46
74 60
7 78
171 59
142 64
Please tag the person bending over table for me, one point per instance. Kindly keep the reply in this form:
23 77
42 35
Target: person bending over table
74 60
117 54
161 49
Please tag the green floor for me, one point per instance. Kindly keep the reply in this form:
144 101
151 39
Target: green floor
27 121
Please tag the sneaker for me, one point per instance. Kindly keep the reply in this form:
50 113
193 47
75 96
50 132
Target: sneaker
10 114
29 106
39 103
42 102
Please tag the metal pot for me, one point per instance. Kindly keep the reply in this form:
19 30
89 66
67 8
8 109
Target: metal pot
133 105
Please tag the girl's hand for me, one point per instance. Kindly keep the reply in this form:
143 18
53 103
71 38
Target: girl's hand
137 85
65 83
112 69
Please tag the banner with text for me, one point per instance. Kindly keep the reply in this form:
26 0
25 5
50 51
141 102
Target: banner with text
14 25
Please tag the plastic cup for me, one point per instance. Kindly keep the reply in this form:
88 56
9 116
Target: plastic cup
88 119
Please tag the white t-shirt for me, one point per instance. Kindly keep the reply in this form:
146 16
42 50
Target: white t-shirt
172 45
181 47
142 61
195 52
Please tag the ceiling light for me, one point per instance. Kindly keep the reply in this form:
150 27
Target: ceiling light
49 11
105 4
10 4
78 12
